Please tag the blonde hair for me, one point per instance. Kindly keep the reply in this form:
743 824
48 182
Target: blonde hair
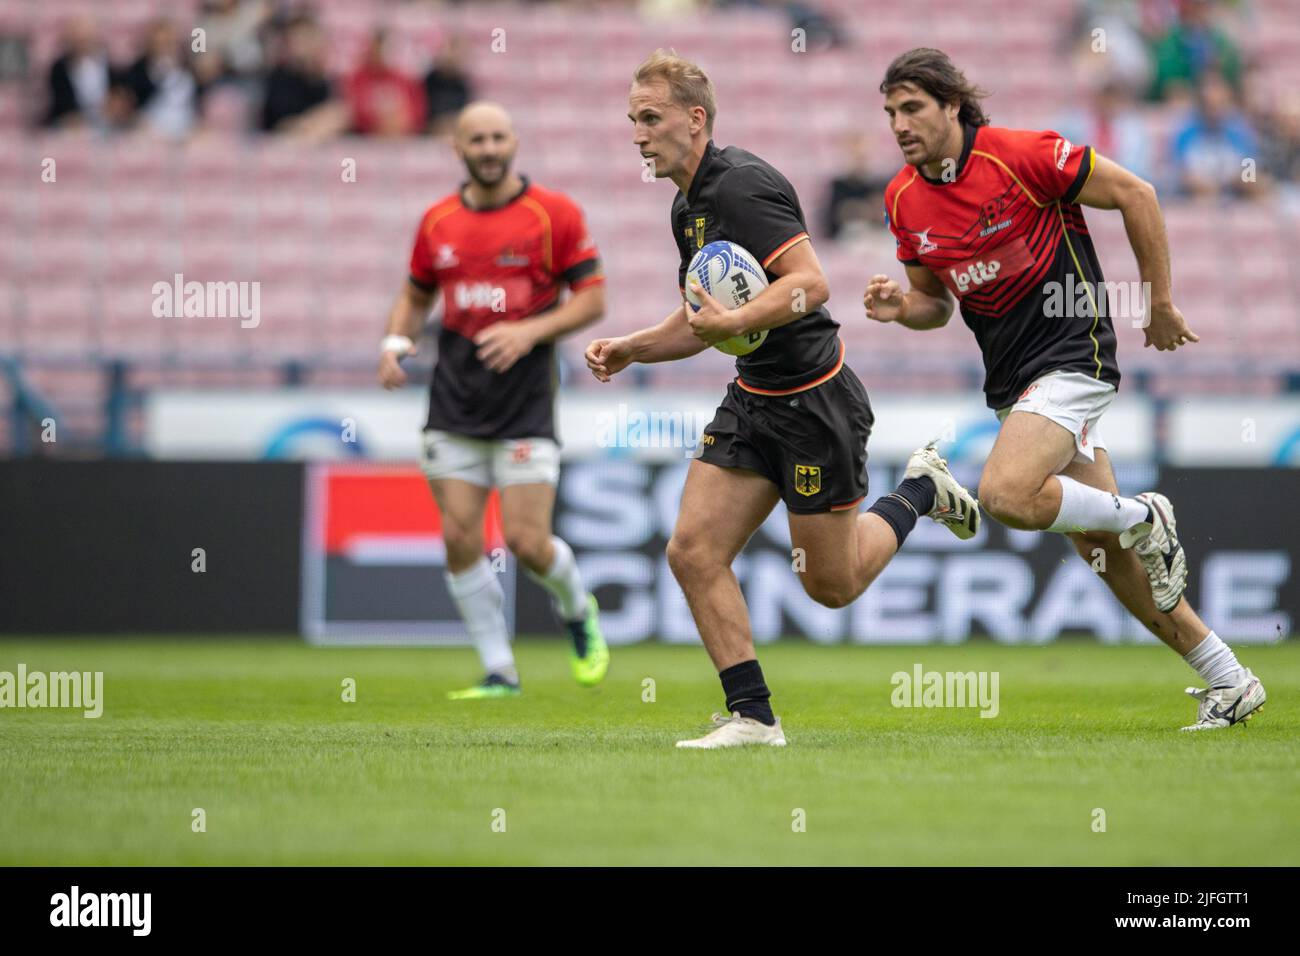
688 84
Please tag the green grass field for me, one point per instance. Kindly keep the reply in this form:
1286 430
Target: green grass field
255 733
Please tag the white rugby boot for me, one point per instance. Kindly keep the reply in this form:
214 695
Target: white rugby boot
1156 544
1224 706
737 731
954 507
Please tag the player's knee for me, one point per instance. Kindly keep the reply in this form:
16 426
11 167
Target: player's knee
829 592
528 545
463 545
688 556
1006 502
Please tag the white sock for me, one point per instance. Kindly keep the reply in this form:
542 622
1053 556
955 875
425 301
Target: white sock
1215 662
564 583
479 597
1084 508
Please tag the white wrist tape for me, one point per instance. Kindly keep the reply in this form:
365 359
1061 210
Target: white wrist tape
396 343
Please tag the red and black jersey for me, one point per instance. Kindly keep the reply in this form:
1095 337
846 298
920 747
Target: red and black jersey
1007 238
502 264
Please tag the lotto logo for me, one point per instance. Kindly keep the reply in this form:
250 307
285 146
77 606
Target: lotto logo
479 295
977 273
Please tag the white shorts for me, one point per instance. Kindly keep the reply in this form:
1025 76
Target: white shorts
490 462
1074 401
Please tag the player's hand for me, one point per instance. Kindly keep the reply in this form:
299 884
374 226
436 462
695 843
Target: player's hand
884 300
608 357
713 322
391 374
1168 329
502 344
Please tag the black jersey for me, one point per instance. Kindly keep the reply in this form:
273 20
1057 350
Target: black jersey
738 197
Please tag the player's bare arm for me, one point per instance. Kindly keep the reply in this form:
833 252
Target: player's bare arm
1111 186
800 288
670 340
926 305
502 344
405 321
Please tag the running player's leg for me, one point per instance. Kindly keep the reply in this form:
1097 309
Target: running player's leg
1181 629
1054 423
1022 485
1233 688
472 583
458 475
704 543
842 552
526 513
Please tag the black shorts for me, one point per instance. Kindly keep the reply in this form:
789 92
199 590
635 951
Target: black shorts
812 444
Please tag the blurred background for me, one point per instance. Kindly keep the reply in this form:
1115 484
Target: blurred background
296 145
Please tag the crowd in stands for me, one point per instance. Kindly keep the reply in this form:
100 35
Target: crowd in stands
1169 95
255 65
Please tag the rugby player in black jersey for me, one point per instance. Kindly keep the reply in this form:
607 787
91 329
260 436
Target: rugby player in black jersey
794 424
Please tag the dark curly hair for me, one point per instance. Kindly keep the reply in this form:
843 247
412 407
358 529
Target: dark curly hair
932 71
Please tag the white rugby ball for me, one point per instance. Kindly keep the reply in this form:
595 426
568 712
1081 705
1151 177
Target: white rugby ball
732 276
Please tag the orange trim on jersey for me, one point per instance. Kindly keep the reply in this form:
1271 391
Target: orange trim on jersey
587 280
852 504
792 241
802 388
1032 198
541 213
453 205
893 212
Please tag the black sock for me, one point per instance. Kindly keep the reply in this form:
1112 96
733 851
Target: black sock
900 509
746 692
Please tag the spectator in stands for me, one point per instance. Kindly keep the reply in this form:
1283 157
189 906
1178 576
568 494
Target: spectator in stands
162 85
855 204
299 98
79 78
1210 146
1280 149
384 100
1113 125
446 87
1195 46
1106 45
232 39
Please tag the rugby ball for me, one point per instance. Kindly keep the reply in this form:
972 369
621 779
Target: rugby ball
732 276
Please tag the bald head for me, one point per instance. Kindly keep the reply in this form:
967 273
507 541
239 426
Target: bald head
480 114
485 141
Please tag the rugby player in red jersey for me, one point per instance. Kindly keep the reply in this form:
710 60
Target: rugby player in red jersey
501 250
993 218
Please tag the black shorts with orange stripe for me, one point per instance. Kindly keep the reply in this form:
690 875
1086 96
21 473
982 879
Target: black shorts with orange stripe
811 443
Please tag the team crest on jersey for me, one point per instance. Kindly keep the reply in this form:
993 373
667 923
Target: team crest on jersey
509 257
446 257
699 232
924 244
989 213
807 479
